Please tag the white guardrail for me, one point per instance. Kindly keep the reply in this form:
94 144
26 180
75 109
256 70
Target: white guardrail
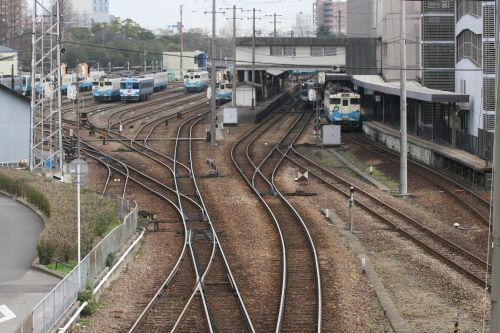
53 306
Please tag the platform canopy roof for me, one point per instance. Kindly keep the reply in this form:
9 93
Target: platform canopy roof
414 90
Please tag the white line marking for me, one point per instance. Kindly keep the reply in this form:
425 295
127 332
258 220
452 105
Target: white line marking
7 313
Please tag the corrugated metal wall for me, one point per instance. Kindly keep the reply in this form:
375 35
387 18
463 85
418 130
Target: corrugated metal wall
14 128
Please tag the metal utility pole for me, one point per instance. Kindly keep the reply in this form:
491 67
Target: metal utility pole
253 56
403 187
235 72
213 79
181 33
495 276
253 59
275 34
340 22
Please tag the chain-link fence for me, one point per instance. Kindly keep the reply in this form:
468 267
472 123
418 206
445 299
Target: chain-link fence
50 309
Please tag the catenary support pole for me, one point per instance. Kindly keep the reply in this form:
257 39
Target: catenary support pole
253 59
213 80
340 22
235 71
403 186
181 33
495 277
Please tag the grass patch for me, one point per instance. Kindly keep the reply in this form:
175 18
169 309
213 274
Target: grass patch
63 269
58 240
377 174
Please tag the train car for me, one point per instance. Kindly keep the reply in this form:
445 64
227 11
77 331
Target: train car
15 83
106 89
196 81
304 90
160 80
26 82
136 88
224 92
342 107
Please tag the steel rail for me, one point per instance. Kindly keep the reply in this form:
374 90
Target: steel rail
303 224
197 290
443 241
484 219
216 237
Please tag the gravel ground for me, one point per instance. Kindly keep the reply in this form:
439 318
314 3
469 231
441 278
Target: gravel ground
427 196
251 245
428 293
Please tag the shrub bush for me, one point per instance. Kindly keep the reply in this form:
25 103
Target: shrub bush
57 201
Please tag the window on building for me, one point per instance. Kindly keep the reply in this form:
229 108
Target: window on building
330 51
472 7
317 51
277 51
290 51
470 45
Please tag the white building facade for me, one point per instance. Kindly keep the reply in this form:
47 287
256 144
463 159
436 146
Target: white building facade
475 62
84 12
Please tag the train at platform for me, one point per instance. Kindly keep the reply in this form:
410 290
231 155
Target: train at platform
342 107
136 88
196 81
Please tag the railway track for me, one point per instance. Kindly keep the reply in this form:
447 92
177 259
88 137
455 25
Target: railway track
201 281
450 253
300 303
460 193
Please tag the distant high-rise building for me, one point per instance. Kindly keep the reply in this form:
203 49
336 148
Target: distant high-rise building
331 14
84 12
303 25
362 17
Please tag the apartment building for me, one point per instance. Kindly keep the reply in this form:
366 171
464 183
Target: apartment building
84 12
331 14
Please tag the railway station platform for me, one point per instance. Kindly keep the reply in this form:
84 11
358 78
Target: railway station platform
247 115
457 162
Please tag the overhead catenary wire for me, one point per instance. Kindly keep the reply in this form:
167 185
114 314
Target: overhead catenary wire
276 64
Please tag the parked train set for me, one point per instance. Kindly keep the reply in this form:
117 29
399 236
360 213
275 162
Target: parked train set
341 106
137 88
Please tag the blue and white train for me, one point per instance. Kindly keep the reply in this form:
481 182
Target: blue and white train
136 88
196 81
342 107
160 80
224 92
304 89
106 89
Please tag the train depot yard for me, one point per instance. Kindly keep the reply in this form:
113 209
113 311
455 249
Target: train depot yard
285 182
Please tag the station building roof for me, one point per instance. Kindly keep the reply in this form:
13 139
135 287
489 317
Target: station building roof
414 90
5 49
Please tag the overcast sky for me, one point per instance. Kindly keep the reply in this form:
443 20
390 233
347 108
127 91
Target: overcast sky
155 14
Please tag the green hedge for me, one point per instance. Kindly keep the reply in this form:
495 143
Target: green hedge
19 187
58 240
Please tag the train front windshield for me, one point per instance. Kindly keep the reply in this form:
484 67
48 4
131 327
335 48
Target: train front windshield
354 100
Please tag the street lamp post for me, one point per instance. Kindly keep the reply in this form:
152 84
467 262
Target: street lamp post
78 169
351 206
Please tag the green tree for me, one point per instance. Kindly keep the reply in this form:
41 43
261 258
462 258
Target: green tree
323 32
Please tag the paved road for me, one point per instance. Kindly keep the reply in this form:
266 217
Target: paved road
21 287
